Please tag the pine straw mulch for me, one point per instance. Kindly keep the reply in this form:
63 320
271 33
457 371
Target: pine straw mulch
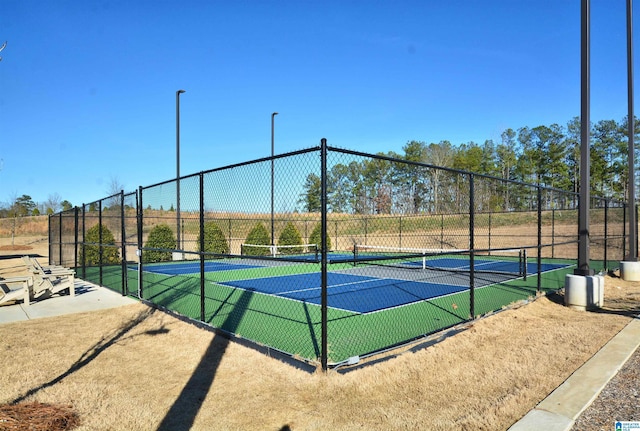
35 416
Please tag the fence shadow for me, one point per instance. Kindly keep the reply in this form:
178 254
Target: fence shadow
185 408
94 351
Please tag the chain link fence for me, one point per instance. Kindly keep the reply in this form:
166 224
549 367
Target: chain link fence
332 255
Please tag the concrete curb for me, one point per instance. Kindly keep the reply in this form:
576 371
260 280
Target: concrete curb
563 406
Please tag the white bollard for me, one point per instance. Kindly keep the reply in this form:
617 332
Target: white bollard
630 271
584 292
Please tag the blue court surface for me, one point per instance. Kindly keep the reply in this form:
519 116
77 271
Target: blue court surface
349 292
365 294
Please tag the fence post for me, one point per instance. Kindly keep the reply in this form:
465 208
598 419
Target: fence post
489 239
139 209
441 230
323 248
539 286
624 228
472 275
123 236
202 251
606 233
84 247
100 249
553 233
60 260
366 229
75 238
49 237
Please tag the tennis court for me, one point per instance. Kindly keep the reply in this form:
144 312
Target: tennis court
363 287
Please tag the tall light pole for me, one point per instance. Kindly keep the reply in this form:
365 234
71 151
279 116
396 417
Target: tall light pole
585 105
178 93
272 180
631 208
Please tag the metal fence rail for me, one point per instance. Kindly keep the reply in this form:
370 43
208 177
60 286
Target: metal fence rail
331 296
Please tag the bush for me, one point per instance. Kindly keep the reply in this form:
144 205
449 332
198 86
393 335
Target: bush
258 236
316 239
92 252
214 239
290 236
161 236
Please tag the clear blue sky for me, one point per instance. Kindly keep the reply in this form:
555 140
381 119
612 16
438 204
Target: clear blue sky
87 88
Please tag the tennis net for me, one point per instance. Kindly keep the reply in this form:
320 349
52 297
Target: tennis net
512 262
309 251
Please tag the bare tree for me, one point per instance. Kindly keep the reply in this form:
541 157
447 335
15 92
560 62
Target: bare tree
115 187
53 203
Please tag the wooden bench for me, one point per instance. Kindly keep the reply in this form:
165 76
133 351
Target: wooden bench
16 288
49 279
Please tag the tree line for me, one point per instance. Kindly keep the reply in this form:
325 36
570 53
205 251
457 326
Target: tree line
22 206
547 156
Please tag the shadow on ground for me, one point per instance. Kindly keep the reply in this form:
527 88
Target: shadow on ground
93 352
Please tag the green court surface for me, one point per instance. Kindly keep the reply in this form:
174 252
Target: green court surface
278 306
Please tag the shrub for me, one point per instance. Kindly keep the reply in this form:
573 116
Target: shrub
92 252
214 239
258 236
161 236
290 236
315 237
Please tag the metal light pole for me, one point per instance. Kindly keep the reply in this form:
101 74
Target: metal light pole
585 122
272 180
178 166
633 255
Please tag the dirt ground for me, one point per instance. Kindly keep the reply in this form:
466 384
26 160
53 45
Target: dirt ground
137 368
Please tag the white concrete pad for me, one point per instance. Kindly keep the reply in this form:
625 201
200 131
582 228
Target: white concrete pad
88 297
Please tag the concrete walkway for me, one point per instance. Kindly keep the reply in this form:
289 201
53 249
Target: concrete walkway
88 297
562 407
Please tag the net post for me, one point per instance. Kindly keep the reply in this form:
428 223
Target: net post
355 254
520 262
524 264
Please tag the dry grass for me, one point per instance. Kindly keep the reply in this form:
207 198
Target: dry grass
135 368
